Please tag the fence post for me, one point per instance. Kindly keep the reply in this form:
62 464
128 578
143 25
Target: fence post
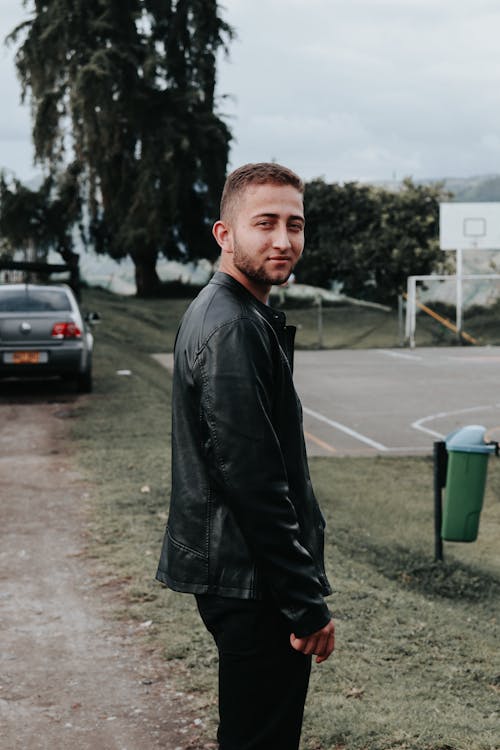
319 302
440 467
400 320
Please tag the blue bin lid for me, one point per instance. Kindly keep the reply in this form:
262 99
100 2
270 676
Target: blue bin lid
469 439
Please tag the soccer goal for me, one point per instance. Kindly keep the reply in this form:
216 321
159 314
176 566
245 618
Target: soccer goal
463 228
477 289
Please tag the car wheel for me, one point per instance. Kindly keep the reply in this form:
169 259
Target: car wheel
84 382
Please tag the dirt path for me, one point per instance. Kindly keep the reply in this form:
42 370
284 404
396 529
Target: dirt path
70 677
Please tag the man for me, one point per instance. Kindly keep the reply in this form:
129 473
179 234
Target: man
245 533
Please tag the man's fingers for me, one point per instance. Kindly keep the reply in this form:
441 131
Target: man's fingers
311 646
328 650
321 643
297 643
325 646
304 645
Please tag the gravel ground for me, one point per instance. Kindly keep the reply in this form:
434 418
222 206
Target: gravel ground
70 675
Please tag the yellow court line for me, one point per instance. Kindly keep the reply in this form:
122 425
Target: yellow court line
320 443
490 432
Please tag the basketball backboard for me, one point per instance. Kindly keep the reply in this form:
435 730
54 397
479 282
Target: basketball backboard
469 226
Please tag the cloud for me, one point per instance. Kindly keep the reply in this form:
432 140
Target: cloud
16 152
348 89
365 87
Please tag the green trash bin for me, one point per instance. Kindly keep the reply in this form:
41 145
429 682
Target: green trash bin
465 483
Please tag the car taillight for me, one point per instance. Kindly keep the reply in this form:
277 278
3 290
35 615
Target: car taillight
66 331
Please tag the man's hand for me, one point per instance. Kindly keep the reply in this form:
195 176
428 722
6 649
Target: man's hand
320 643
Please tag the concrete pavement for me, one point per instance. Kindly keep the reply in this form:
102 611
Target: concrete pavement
393 401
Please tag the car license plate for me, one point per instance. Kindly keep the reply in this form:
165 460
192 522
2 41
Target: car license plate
26 358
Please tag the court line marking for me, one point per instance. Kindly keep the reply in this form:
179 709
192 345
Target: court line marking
474 358
320 443
490 432
344 428
418 424
410 449
400 355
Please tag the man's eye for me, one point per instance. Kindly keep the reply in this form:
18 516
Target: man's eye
296 227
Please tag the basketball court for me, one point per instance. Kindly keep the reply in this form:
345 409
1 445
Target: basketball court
393 401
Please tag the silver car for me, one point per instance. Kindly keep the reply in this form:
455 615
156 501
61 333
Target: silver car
43 333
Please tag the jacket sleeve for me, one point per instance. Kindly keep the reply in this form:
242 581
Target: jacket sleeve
236 380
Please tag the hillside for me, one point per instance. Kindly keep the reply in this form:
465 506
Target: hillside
479 188
474 189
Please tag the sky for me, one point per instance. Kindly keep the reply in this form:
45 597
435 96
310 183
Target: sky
364 90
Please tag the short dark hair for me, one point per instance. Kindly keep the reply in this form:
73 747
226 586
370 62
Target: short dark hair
261 173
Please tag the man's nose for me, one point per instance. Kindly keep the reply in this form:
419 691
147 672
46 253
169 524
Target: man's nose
281 238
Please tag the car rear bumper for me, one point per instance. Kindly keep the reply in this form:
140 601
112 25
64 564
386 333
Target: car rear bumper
59 361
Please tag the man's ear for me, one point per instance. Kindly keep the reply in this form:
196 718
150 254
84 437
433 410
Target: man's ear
222 235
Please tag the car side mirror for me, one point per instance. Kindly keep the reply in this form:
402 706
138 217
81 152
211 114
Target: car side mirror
92 318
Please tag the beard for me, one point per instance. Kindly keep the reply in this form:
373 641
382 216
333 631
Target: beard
249 266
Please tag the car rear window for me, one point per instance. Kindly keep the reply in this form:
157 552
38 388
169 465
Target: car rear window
33 300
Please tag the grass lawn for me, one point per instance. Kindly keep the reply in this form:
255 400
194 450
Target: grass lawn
417 660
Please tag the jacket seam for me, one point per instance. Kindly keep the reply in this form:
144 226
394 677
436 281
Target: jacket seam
210 587
185 547
276 337
208 527
236 319
213 434
206 383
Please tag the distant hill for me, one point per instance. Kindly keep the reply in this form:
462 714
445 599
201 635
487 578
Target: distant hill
474 189
465 189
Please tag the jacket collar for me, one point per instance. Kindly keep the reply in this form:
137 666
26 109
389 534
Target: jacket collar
276 318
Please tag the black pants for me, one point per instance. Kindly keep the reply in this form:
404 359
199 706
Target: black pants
263 681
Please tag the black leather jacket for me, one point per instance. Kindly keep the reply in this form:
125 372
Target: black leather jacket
243 518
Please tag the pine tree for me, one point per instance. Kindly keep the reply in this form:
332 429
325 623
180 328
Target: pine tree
39 220
126 88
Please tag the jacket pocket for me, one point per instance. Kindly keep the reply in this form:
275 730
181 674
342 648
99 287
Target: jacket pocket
182 547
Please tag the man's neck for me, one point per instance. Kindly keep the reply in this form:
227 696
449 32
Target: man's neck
260 291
